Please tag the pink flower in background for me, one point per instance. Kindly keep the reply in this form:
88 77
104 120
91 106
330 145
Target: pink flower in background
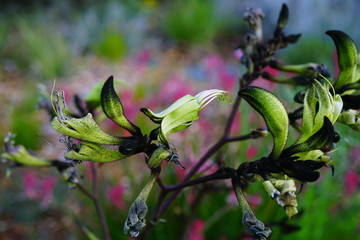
196 232
238 54
351 182
247 238
36 188
263 83
235 127
228 80
217 74
29 183
251 152
115 196
130 108
174 88
141 60
214 63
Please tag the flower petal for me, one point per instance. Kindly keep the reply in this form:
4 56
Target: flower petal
273 112
113 108
347 57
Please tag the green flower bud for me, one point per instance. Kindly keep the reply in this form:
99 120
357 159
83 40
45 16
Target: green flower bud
273 112
136 217
113 108
347 58
158 156
351 118
283 191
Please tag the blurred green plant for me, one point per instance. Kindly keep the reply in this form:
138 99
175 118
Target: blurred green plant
111 45
43 48
191 22
25 123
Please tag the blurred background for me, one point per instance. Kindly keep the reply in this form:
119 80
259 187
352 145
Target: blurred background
160 50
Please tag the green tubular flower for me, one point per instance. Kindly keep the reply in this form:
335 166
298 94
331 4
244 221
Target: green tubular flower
21 156
95 143
84 129
273 112
182 113
95 152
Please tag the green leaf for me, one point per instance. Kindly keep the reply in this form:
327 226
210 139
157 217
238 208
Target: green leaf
317 141
84 129
95 152
273 112
113 108
347 57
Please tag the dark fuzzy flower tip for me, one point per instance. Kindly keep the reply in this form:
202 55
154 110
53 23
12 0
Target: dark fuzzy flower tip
303 171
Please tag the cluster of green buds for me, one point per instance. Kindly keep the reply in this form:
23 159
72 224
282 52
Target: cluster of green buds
300 160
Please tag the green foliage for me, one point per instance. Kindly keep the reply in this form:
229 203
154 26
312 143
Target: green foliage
191 22
25 123
43 48
111 45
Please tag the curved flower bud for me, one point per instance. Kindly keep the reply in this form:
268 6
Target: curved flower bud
136 217
252 225
347 57
84 129
163 153
182 113
273 112
113 108
351 118
94 152
283 17
283 191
